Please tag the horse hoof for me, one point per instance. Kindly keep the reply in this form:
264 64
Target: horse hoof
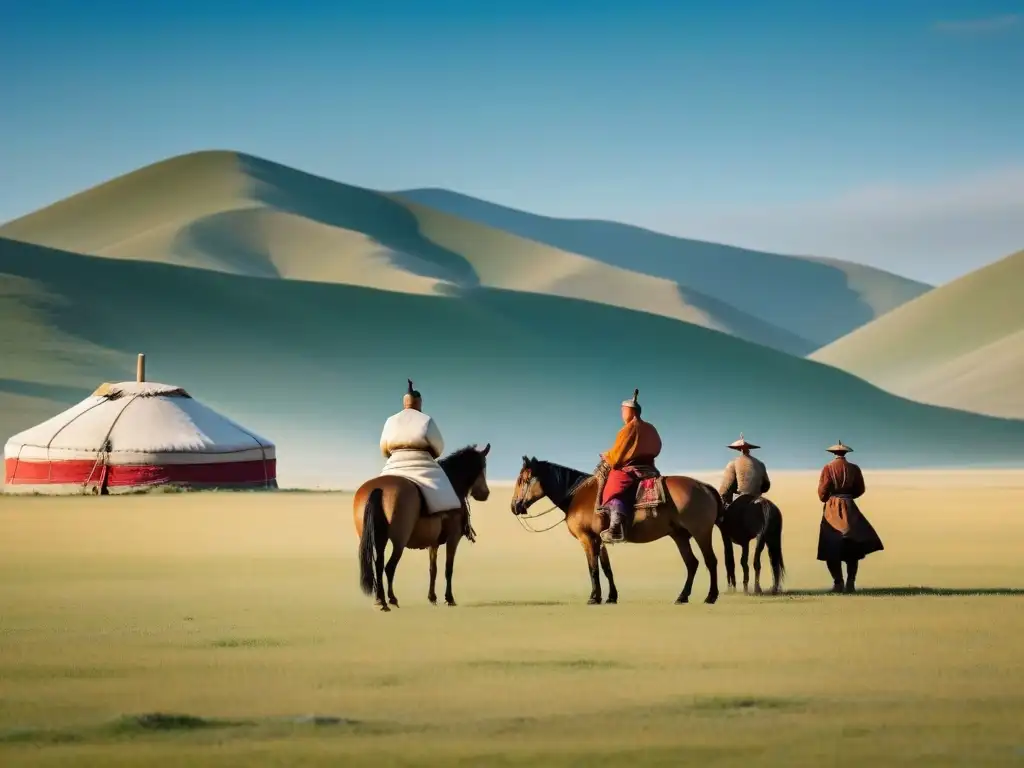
711 599
594 601
682 600
612 600
758 591
450 602
731 588
393 601
383 607
433 600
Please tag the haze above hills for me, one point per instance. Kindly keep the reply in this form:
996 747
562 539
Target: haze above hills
299 306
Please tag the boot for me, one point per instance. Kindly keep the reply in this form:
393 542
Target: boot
851 576
835 568
614 532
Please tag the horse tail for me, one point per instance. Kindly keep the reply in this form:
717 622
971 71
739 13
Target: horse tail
771 534
375 526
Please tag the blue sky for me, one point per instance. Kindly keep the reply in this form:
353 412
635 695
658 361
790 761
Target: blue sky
886 132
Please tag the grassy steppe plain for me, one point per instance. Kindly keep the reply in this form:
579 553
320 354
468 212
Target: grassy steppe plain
243 610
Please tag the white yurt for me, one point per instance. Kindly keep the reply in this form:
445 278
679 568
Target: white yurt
136 436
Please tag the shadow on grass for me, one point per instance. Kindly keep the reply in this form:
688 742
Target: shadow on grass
549 664
246 642
906 592
517 604
157 724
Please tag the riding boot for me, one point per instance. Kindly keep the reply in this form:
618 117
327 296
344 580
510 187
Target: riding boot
835 567
851 576
614 531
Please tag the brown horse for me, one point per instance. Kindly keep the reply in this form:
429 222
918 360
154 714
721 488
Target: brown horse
390 507
689 511
739 523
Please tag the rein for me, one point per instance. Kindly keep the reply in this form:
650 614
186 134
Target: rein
521 519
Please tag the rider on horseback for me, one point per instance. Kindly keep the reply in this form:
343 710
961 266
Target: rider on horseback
412 443
744 475
636 447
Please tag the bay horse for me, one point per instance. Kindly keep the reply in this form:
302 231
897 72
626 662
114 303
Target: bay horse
391 507
689 511
739 523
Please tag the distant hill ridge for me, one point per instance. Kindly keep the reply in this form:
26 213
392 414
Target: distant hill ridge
240 214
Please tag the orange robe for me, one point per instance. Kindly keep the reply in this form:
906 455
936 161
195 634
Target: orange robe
638 443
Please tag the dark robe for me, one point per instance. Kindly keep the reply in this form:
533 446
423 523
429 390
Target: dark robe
845 533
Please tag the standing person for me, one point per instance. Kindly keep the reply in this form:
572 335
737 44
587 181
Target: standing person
845 536
636 447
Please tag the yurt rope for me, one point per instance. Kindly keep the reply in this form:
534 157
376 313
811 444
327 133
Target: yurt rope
49 464
263 453
106 441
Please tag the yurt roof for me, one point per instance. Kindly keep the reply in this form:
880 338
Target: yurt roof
144 417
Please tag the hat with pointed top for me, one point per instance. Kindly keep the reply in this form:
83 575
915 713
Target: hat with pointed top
839 449
742 443
635 402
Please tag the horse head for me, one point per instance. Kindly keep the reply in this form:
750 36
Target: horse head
467 471
528 487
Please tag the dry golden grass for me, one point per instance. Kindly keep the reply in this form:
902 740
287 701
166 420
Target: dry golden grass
243 609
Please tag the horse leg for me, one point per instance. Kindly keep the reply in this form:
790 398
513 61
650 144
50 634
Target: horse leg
710 562
431 594
757 565
590 549
745 563
682 540
606 566
450 547
389 570
730 561
381 599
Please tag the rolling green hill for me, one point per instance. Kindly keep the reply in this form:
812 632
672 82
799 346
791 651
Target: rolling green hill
817 299
318 366
242 215
961 345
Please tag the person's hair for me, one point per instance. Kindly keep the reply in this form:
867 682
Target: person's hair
412 392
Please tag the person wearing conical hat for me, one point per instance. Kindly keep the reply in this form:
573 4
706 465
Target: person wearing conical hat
745 477
636 447
412 443
845 535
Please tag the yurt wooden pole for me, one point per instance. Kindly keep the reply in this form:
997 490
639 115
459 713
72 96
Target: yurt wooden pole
140 369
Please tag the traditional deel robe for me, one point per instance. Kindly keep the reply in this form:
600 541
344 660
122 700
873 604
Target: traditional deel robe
636 446
845 532
744 476
412 443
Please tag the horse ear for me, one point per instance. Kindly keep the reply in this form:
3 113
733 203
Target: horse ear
486 450
526 460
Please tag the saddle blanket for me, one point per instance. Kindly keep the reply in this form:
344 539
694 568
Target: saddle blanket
650 493
420 468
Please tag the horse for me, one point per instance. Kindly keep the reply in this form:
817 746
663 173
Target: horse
689 511
391 507
757 518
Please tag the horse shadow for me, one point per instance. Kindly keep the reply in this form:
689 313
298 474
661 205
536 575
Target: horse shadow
912 592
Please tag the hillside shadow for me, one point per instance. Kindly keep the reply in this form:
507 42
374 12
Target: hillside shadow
302 362
218 238
811 299
360 210
911 592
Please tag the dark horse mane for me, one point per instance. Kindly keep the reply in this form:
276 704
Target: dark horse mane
463 467
560 483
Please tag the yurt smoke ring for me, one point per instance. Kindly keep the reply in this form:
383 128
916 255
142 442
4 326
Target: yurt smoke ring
134 436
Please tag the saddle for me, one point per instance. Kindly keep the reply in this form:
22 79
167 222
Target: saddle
650 488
